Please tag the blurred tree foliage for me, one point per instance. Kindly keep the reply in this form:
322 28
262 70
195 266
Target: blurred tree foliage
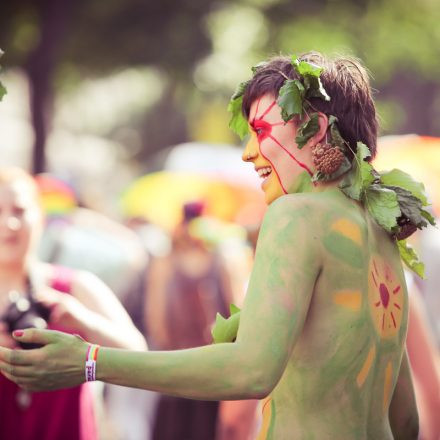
204 47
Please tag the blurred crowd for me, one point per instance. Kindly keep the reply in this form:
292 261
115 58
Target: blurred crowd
121 283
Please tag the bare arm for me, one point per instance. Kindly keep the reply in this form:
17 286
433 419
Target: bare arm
403 410
93 310
286 266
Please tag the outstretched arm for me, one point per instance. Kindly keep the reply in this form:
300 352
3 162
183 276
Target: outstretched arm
286 266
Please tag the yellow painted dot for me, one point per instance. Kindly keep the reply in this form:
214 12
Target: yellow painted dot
362 376
351 299
387 386
348 229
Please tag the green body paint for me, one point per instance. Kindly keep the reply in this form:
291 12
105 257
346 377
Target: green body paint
344 249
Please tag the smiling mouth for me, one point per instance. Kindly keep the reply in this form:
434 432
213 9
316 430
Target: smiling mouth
264 172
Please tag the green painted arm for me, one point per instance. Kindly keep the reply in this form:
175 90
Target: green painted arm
286 265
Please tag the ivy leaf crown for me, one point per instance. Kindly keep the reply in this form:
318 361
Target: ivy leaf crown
393 198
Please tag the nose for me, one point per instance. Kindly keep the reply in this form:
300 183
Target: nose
251 150
12 223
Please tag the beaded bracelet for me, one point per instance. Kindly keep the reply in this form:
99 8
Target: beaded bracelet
91 357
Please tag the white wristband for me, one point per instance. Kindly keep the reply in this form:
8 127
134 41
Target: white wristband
91 357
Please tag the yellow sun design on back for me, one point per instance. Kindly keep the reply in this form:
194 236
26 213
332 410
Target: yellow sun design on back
385 297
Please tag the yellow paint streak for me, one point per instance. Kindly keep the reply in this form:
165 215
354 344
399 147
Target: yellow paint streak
348 229
267 415
387 386
362 376
352 299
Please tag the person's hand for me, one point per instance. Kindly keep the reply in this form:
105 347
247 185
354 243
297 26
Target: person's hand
6 339
65 310
59 364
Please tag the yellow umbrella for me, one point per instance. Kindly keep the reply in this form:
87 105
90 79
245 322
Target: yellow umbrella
419 156
159 197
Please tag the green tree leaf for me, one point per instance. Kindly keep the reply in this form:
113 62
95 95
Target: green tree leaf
304 68
397 177
225 330
410 258
361 175
426 214
238 123
290 99
410 206
383 206
306 130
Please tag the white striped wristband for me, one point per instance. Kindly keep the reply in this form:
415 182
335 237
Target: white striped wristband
91 357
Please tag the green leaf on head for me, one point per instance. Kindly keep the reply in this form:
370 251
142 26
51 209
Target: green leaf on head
238 123
361 175
410 258
306 130
290 99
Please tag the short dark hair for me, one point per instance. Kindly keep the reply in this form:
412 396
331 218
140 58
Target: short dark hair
345 81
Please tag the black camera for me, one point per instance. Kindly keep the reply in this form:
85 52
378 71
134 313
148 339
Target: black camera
25 312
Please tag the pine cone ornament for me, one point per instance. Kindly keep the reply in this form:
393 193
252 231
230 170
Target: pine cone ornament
327 158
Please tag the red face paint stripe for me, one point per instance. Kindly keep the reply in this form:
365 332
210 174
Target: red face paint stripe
397 305
267 110
273 170
374 279
302 165
396 289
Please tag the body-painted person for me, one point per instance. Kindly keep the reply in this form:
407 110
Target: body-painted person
322 331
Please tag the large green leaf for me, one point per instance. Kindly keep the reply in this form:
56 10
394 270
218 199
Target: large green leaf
225 330
290 99
307 129
426 214
361 175
399 178
383 206
238 123
410 258
410 206
304 68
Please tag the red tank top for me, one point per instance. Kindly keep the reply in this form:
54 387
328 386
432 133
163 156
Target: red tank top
56 415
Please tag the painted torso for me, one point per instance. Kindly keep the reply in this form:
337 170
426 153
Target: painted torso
341 373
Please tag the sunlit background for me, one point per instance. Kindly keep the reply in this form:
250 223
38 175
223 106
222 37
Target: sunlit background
122 103
97 89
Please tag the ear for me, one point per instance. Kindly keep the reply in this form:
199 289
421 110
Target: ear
319 136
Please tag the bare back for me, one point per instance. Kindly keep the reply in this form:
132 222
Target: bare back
340 376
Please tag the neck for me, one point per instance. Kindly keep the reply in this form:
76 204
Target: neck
12 276
304 184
